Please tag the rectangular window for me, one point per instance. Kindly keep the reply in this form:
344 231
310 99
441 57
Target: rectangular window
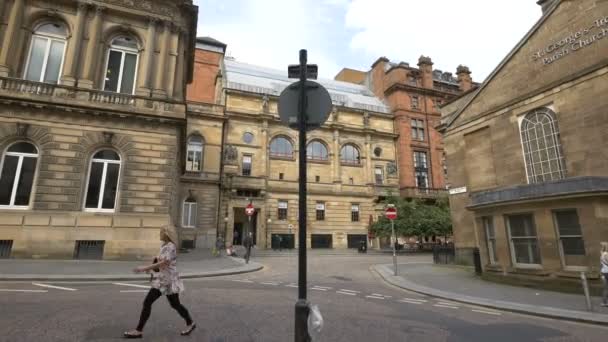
281 176
120 72
320 211
354 213
379 172
417 129
317 179
412 80
282 210
246 165
189 214
571 244
421 171
488 225
415 102
523 239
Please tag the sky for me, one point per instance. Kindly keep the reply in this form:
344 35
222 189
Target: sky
355 33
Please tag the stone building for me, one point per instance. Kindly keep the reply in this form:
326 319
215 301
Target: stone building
92 120
527 152
414 95
351 162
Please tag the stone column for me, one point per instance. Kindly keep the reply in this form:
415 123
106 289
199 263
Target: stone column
369 171
10 36
336 157
92 51
70 67
173 56
143 78
159 89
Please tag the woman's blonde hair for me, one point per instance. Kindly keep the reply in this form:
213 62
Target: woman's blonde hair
170 233
604 246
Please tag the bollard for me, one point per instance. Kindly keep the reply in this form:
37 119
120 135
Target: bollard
586 290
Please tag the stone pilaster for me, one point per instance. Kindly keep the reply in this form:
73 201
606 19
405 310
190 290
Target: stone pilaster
336 157
92 50
72 56
159 89
173 56
369 172
143 79
14 21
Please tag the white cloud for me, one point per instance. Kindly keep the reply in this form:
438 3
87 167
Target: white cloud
477 33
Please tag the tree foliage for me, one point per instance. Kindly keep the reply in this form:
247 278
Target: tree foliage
416 218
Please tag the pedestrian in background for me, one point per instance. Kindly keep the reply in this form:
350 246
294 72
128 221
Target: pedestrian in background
604 271
248 243
166 282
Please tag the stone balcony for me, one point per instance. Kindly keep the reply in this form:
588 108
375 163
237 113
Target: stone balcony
75 99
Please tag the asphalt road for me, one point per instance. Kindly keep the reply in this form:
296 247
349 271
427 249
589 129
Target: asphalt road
356 306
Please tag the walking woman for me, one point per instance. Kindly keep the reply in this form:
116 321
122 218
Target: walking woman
604 271
166 282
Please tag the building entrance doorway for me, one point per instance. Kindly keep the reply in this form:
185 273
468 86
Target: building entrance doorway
241 226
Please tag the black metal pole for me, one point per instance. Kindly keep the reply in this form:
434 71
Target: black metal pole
301 331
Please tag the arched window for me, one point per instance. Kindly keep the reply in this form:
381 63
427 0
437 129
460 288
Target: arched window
47 49
316 150
542 148
194 155
189 213
17 175
121 66
350 154
102 186
281 147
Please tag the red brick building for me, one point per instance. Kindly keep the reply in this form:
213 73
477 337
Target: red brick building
415 95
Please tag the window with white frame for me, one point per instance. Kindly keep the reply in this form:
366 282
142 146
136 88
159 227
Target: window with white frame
282 210
421 170
189 213
379 173
47 51
350 155
542 147
316 150
102 187
415 102
523 239
354 213
281 147
488 225
320 209
571 244
17 173
194 154
417 129
121 66
246 168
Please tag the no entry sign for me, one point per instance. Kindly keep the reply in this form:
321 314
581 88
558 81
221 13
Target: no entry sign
390 213
249 210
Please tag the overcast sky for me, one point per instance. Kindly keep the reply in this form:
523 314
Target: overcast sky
354 33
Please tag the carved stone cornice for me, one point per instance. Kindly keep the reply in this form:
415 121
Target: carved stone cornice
156 7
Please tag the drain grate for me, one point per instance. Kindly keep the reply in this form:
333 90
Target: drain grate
89 249
5 248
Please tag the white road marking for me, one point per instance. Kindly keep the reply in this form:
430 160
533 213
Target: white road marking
54 287
269 283
446 306
447 303
416 300
12 290
346 293
374 297
242 280
409 301
132 285
323 287
488 312
131 291
318 289
291 285
380 295
350 291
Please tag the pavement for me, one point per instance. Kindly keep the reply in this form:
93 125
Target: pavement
460 284
197 263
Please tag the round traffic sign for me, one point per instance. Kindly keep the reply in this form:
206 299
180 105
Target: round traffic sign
318 105
249 210
390 213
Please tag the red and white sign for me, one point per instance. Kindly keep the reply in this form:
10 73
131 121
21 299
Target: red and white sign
390 213
249 210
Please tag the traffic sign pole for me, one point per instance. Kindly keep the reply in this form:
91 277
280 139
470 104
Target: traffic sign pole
394 247
391 214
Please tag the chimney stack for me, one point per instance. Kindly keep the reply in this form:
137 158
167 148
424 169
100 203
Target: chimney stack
465 81
425 64
545 4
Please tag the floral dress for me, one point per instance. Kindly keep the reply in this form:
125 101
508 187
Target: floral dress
167 280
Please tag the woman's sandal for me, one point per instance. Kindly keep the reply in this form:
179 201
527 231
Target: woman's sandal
189 331
130 334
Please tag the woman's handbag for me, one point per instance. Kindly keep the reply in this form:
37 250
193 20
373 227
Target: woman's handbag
154 270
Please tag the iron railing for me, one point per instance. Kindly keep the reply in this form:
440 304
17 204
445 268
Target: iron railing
444 254
5 248
89 249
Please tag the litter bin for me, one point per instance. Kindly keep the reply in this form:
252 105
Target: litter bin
477 261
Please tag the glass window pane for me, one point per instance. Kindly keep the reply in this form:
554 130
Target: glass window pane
192 221
54 62
125 41
526 251
92 200
128 74
23 147
111 187
185 214
7 178
26 181
567 222
52 28
38 50
573 246
106 155
521 226
113 70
